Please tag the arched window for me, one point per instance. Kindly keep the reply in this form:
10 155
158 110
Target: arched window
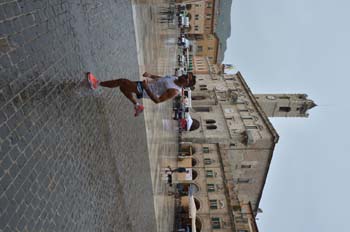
194 162
185 187
211 127
195 188
210 121
198 225
197 203
193 150
194 174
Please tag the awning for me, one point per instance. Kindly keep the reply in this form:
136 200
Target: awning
189 122
193 210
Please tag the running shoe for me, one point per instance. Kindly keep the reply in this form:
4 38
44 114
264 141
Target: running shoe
94 83
138 110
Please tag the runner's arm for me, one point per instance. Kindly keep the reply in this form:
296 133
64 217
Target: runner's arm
170 93
149 75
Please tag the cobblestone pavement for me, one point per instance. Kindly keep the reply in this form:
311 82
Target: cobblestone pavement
71 159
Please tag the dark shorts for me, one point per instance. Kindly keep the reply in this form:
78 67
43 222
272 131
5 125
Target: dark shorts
139 87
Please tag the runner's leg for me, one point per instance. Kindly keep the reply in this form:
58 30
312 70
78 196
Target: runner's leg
113 83
127 87
127 93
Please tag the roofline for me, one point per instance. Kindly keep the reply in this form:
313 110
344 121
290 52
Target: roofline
271 129
226 189
265 178
254 221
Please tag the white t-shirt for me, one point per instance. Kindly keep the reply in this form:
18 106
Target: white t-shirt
160 86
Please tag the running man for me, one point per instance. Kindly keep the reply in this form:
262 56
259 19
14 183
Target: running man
160 89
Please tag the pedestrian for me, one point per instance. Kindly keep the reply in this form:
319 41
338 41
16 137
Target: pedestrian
189 124
159 90
170 172
178 170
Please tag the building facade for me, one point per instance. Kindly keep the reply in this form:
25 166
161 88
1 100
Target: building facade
201 15
201 27
202 65
231 152
206 46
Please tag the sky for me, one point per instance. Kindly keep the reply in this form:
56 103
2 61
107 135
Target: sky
300 46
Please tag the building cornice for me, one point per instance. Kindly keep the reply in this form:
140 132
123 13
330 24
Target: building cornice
270 127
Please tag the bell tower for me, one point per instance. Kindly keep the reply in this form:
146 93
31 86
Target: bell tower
285 105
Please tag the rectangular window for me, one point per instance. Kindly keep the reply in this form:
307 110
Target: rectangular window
209 173
284 109
213 204
209 5
205 149
242 230
215 223
200 48
196 17
243 180
202 109
246 117
246 166
251 127
207 161
241 220
211 187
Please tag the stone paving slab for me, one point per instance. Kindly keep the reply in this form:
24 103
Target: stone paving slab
70 159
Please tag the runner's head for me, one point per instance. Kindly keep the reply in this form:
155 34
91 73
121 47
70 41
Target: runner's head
187 80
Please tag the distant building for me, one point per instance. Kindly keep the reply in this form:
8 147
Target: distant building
201 16
206 46
230 154
201 26
203 65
